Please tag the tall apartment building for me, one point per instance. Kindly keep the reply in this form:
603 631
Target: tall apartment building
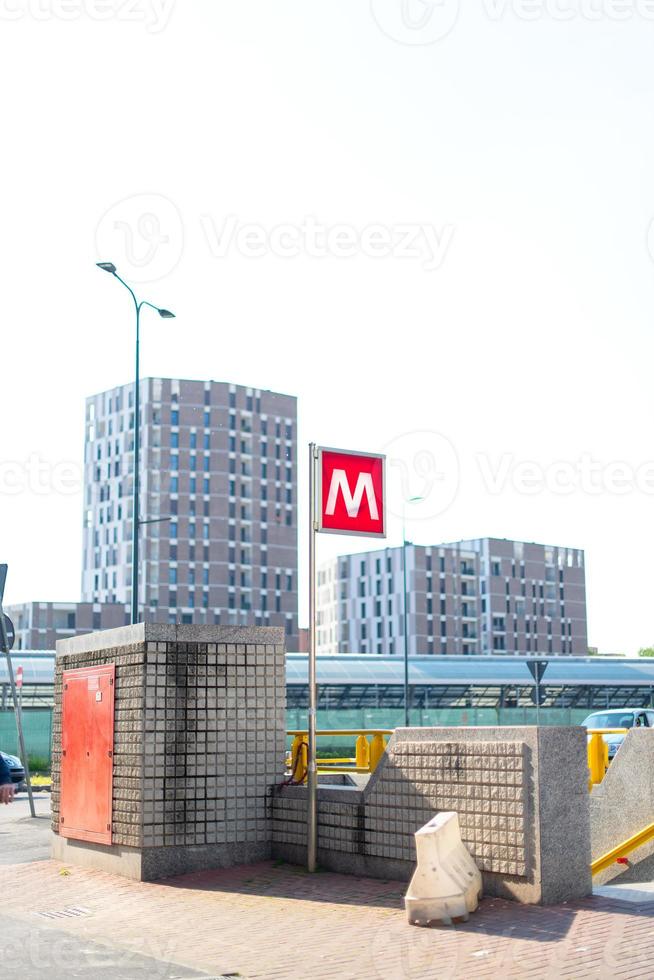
218 504
487 596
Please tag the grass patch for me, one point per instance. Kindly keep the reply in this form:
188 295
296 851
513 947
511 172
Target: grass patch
39 764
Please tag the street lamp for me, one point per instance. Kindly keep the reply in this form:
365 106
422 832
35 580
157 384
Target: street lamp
411 500
166 315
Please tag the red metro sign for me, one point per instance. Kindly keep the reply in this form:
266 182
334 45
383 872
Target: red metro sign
351 493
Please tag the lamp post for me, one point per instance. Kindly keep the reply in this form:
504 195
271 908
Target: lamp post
411 500
166 314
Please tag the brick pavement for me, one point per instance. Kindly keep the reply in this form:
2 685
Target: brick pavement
268 921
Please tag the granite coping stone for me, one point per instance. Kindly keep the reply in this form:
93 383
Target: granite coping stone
143 633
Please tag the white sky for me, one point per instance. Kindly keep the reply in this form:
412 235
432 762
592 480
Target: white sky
523 144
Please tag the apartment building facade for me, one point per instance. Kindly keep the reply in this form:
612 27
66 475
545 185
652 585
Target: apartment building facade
483 596
218 504
38 625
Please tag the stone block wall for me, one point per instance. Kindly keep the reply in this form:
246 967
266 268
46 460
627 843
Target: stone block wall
521 795
199 737
485 782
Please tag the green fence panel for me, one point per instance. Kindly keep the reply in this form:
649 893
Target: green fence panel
426 717
37 731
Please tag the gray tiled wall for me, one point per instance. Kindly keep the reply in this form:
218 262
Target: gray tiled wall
199 732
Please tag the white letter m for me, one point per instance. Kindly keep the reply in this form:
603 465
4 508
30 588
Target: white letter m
352 501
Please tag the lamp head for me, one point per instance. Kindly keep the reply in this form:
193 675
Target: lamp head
107 267
166 314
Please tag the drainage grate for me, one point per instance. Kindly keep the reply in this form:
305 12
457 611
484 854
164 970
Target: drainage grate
67 913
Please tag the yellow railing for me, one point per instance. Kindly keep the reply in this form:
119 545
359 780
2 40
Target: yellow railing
369 747
598 753
606 860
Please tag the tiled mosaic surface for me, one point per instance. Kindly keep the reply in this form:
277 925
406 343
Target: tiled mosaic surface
199 739
340 825
214 742
484 782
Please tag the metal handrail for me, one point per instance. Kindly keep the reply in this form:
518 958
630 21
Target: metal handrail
637 840
345 731
366 758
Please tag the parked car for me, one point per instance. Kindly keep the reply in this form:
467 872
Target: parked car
17 768
619 718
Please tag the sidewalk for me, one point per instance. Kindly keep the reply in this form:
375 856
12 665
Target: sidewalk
267 921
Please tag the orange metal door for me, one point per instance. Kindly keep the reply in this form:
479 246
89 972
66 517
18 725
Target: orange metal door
87 742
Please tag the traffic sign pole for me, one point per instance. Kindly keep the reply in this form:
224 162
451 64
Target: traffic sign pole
312 767
537 669
4 643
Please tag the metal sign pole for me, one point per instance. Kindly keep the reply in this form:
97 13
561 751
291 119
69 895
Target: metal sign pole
312 769
4 643
537 669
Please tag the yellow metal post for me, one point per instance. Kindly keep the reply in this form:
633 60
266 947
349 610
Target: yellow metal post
376 750
598 758
361 752
299 759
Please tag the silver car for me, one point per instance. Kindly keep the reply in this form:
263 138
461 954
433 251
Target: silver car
619 718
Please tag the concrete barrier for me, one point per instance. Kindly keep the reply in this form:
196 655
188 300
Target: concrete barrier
446 884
